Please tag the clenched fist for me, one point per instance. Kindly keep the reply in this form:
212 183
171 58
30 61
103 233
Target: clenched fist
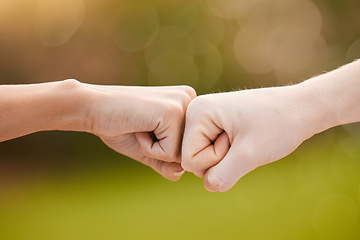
144 123
229 134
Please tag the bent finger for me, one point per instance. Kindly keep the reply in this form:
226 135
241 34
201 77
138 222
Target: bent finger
226 173
210 155
169 170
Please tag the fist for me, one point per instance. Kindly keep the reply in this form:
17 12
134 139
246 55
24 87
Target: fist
230 134
144 123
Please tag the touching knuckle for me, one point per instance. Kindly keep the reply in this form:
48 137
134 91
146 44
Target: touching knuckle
184 99
185 165
188 164
189 90
200 102
176 111
197 109
173 156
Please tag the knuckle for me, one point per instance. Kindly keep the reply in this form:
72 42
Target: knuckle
177 111
187 99
164 169
184 99
172 110
187 165
199 103
197 108
200 174
190 91
194 164
186 160
173 156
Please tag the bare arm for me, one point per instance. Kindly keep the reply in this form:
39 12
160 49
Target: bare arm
25 109
335 95
144 123
230 134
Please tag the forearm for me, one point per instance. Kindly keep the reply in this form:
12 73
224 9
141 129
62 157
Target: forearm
334 97
25 109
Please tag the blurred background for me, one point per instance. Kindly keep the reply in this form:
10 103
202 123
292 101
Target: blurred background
62 185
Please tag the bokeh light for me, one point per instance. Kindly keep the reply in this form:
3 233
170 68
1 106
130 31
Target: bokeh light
302 15
5 8
231 9
170 38
174 68
136 24
207 26
62 185
57 21
353 51
251 48
279 36
209 62
288 50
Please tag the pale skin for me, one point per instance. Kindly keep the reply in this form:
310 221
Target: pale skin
227 135
144 123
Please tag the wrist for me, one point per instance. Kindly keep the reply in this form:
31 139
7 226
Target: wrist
315 110
106 108
67 106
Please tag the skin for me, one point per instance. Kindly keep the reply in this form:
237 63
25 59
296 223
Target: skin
227 135
144 123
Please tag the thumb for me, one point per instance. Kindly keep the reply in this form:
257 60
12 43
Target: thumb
226 173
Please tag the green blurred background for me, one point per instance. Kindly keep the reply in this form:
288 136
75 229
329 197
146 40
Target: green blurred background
59 185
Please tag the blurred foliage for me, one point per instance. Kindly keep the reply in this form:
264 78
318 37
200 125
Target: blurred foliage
57 185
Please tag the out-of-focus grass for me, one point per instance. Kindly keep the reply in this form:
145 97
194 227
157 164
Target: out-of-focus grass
312 194
88 192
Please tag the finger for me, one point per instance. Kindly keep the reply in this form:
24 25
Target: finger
170 140
185 88
212 154
226 173
203 147
189 90
171 171
200 174
163 143
151 146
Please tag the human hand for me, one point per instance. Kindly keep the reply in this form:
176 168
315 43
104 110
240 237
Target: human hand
230 134
144 123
